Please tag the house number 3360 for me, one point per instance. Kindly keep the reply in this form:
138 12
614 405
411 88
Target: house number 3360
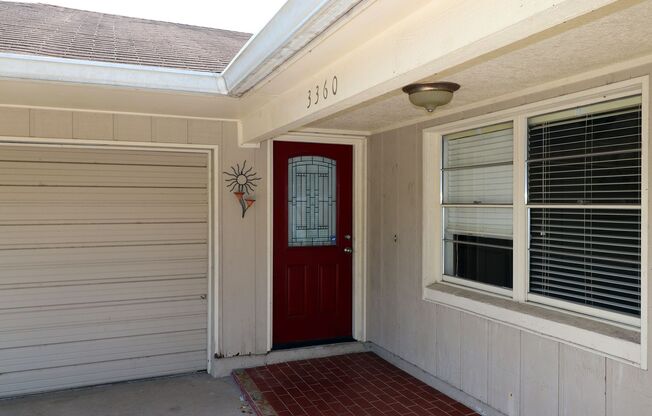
321 93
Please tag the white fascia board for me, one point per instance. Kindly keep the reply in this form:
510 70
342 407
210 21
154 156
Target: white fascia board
295 25
111 74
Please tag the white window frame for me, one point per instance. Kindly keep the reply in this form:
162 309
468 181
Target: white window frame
505 292
433 233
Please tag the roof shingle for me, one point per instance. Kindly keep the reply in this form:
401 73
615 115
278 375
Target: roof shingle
47 30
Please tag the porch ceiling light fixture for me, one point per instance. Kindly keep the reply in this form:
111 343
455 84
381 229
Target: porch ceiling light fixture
431 95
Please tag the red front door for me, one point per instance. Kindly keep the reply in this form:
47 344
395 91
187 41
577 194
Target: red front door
313 209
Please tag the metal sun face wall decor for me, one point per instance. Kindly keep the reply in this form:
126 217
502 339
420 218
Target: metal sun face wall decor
242 181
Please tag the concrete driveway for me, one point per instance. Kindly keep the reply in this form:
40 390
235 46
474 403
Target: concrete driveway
187 395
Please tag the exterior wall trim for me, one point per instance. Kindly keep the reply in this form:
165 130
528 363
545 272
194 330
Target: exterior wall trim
359 144
214 324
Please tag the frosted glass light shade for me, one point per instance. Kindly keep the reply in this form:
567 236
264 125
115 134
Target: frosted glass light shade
431 95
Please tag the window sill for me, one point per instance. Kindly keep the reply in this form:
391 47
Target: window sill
609 340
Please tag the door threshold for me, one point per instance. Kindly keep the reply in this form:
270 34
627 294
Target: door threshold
222 367
312 343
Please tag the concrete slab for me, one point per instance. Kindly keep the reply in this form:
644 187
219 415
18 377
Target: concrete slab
186 395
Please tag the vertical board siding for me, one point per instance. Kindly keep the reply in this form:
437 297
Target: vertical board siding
411 339
629 390
582 383
238 254
50 123
504 368
389 253
169 130
449 345
474 356
92 126
135 128
539 376
208 132
14 121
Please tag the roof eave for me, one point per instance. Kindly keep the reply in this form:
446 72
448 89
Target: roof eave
78 71
295 25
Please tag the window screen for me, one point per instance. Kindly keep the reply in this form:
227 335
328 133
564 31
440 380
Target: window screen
584 192
477 196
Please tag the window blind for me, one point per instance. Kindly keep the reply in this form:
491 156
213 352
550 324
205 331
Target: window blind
594 158
587 256
478 166
479 221
477 170
578 158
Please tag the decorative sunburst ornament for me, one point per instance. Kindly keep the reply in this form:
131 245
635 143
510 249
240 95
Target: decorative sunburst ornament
242 181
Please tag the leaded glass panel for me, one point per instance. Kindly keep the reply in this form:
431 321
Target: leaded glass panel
312 201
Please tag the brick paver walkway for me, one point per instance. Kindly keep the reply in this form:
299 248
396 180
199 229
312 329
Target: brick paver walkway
352 384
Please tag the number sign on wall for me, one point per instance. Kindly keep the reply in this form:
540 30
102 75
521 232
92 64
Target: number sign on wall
321 92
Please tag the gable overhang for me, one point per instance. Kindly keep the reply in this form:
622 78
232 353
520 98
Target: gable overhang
295 25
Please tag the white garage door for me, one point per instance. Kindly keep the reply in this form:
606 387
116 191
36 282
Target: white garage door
103 265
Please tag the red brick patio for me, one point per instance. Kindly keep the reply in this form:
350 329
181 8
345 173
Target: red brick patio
353 384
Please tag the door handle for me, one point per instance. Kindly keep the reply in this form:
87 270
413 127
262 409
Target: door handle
348 250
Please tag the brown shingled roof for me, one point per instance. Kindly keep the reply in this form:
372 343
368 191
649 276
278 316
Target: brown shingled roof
42 29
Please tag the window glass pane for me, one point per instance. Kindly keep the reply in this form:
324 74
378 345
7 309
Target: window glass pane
312 201
586 158
478 244
587 256
477 166
583 156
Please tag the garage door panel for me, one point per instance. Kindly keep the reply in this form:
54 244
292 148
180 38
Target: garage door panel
103 265
13 384
81 294
75 214
84 235
21 267
42 318
74 195
87 352
33 275
42 205
87 155
108 330
16 259
67 174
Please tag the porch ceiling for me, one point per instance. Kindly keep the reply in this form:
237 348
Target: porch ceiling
603 40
